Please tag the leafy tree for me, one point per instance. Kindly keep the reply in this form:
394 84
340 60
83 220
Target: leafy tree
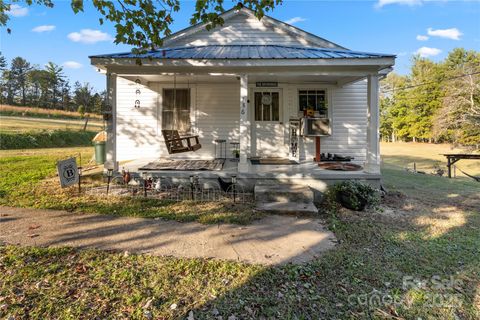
3 62
425 98
83 96
55 80
19 70
143 23
458 119
3 68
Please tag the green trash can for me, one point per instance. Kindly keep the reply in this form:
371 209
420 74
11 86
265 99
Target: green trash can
100 152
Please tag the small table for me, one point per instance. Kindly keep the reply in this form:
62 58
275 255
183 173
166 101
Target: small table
222 143
235 145
454 157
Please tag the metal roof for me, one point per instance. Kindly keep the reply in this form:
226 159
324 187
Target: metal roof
246 52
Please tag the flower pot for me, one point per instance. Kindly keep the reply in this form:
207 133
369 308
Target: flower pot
351 201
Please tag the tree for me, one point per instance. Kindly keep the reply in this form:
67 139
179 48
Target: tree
3 62
458 119
83 96
19 70
3 68
55 80
144 23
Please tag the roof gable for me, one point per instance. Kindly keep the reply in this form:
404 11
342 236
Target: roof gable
242 27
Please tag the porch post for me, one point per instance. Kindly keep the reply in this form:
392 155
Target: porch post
372 164
111 128
244 124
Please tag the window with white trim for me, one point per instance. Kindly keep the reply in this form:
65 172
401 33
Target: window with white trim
176 110
313 99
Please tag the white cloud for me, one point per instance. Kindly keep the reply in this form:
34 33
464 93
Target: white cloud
452 33
44 28
17 11
382 3
89 36
295 20
425 52
72 65
422 37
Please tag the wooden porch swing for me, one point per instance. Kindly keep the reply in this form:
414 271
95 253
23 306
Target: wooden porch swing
173 141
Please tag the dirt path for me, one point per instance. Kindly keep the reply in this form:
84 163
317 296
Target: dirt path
272 240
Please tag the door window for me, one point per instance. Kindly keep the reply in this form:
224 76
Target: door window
267 106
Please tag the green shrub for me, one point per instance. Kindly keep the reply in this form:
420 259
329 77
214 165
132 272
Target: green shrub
45 139
355 195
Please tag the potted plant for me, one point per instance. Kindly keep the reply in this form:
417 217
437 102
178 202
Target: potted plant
355 195
236 153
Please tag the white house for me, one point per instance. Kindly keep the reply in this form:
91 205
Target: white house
247 81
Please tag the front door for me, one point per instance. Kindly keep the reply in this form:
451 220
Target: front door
268 130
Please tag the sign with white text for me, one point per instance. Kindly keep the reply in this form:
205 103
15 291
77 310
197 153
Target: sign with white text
67 172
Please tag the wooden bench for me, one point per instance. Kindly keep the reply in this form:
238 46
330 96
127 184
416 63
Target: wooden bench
177 144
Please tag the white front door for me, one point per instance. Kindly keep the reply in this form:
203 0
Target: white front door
267 130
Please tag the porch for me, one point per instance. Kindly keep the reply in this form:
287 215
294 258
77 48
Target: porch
306 173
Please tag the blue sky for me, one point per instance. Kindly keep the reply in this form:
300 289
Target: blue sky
402 27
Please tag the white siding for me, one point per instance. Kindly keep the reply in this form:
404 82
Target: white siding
348 113
137 129
215 115
241 29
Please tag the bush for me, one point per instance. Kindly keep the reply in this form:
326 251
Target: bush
45 139
355 195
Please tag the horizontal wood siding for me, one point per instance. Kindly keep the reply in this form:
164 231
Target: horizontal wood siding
348 112
215 115
241 29
137 129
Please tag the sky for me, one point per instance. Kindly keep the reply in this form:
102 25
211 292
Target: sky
401 27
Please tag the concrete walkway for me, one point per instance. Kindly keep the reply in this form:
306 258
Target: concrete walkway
272 240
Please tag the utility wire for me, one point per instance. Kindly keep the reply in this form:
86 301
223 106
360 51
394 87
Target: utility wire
430 82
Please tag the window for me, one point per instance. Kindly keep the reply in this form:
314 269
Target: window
315 99
267 106
176 110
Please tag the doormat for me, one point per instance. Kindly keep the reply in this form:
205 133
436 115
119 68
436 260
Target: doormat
339 166
185 165
272 161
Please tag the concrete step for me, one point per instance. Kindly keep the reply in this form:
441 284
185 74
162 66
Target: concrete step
287 207
283 193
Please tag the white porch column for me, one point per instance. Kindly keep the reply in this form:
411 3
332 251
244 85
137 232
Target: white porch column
111 144
372 164
244 124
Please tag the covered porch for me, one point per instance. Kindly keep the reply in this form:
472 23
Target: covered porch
222 101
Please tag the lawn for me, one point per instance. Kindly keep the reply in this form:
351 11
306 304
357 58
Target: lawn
27 124
426 156
29 181
415 257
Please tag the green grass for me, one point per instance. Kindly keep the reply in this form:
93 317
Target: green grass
45 139
376 252
29 181
427 228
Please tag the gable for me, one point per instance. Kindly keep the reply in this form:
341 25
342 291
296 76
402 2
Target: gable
243 28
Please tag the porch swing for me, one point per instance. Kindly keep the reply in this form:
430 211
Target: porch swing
173 141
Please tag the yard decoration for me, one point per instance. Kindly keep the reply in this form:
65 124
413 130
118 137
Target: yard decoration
68 172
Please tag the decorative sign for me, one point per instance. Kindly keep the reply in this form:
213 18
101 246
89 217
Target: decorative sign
266 84
67 172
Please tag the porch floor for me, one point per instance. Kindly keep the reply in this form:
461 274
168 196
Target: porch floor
305 169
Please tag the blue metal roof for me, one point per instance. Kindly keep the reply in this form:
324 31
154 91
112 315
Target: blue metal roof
246 52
